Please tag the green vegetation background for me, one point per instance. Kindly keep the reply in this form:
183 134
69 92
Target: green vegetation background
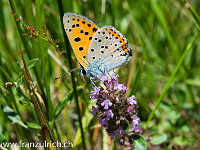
165 79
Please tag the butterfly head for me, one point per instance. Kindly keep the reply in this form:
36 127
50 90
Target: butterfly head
92 74
83 72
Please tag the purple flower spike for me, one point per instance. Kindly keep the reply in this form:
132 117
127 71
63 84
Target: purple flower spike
94 110
112 136
115 77
106 103
104 78
94 94
120 131
103 123
116 113
120 87
131 100
135 122
108 114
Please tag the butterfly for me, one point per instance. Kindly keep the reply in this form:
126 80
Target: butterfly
98 49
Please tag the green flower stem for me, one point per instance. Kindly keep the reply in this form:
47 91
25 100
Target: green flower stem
72 74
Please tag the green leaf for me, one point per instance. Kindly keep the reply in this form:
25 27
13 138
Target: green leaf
158 138
2 137
24 102
61 105
173 116
20 81
13 116
180 141
139 142
31 63
33 125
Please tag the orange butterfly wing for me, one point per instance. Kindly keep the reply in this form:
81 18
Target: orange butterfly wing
80 31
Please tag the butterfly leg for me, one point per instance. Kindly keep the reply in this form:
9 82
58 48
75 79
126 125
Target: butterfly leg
105 71
91 81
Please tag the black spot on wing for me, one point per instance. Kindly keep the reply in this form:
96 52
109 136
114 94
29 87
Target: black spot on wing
77 39
86 33
94 29
80 48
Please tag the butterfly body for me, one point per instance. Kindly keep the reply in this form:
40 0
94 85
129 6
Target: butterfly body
98 49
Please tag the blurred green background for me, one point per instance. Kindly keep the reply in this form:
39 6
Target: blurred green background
165 78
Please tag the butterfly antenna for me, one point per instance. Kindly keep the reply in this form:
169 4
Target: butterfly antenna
73 70
91 81
109 74
66 73
60 76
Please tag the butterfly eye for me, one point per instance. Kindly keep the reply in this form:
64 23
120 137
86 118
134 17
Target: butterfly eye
83 72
